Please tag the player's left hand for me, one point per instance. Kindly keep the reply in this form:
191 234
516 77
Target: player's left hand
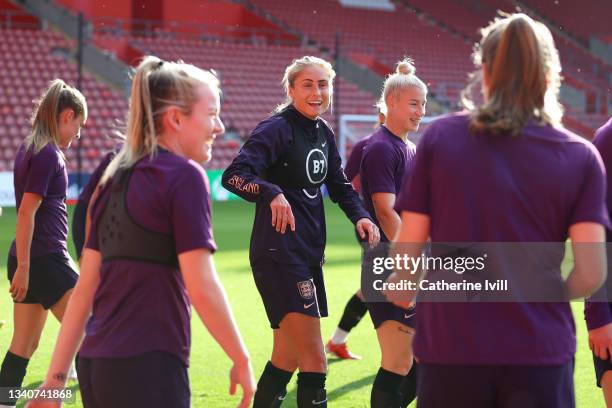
41 403
366 226
600 341
401 298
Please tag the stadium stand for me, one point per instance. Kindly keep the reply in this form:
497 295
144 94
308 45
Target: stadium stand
465 16
594 21
385 35
29 59
250 76
582 69
250 60
439 35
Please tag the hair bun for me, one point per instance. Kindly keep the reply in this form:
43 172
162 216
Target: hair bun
406 67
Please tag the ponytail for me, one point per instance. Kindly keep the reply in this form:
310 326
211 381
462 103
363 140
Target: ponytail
45 120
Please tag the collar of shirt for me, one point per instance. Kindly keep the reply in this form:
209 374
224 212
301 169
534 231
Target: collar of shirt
306 123
392 136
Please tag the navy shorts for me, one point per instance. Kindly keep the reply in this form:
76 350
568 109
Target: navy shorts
51 276
383 311
379 307
290 288
152 380
460 386
601 366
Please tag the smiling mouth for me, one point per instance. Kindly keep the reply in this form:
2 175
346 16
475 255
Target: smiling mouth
315 104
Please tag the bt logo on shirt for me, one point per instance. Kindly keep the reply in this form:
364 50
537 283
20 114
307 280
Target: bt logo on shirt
316 166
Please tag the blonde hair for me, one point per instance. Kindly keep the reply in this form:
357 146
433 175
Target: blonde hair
403 77
45 121
295 68
381 106
157 85
523 67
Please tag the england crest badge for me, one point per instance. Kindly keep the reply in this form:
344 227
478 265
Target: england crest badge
306 289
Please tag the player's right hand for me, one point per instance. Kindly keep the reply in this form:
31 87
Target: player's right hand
242 374
600 342
282 214
19 283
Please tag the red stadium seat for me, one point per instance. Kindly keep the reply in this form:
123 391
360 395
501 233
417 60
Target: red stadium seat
28 65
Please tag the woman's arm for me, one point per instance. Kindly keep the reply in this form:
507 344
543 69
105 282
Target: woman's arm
340 189
388 218
409 241
242 177
30 203
589 272
265 145
210 302
342 192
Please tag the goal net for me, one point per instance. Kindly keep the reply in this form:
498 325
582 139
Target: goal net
355 127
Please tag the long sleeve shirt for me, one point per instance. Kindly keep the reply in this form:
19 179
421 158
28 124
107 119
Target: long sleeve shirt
261 159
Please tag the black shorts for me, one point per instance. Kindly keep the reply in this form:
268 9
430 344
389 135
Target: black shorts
51 276
290 288
601 366
379 307
383 311
151 380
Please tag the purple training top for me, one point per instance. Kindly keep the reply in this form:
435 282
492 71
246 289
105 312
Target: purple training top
93 181
354 161
483 188
385 165
599 314
44 173
141 306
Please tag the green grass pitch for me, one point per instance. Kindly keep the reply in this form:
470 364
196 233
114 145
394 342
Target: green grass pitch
348 383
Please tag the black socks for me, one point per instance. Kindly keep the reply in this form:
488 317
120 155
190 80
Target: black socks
12 373
353 312
408 388
311 390
386 389
392 390
271 387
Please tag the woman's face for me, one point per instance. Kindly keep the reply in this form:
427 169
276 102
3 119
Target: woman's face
407 108
311 91
69 127
200 128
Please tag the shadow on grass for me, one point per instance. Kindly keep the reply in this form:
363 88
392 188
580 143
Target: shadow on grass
334 360
73 386
338 392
